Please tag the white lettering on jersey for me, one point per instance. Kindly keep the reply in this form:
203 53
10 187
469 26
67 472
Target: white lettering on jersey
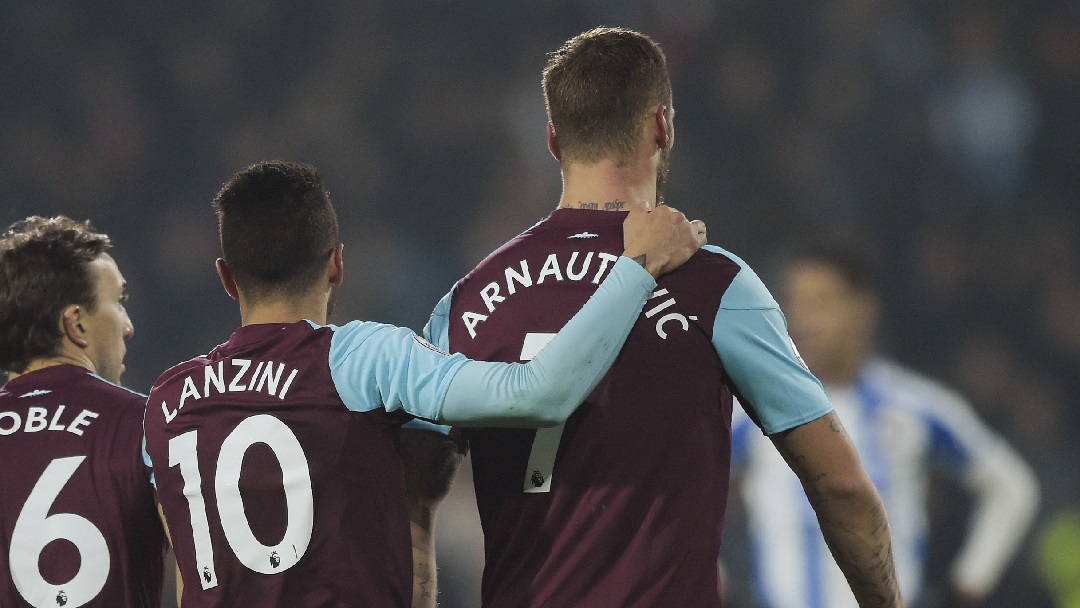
523 277
236 385
490 294
551 267
518 277
681 319
266 378
38 419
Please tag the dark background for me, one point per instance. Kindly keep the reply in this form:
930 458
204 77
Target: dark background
948 132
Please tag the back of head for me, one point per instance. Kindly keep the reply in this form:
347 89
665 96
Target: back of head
599 87
277 228
43 269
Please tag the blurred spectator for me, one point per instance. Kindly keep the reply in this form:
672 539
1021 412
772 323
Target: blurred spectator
905 427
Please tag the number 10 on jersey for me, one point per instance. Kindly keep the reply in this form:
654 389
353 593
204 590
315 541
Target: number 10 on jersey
300 503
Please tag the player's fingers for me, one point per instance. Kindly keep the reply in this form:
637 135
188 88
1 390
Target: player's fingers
699 231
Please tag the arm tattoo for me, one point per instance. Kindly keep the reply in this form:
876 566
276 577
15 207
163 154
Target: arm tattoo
860 543
834 424
426 586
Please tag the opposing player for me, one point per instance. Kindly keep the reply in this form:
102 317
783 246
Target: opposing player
78 526
276 455
623 505
904 425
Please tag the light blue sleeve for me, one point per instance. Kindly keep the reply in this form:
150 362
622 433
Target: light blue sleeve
437 330
547 389
750 336
375 365
381 366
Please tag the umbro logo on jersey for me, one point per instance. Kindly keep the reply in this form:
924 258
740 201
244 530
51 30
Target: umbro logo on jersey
583 235
35 393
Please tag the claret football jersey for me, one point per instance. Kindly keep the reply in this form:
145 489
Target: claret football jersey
623 505
277 467
276 455
78 524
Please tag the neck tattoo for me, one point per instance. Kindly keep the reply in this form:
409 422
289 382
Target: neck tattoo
608 206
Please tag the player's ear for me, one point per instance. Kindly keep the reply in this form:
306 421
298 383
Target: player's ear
662 127
226 278
336 268
553 144
71 323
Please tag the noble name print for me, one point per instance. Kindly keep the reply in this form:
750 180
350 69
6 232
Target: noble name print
40 419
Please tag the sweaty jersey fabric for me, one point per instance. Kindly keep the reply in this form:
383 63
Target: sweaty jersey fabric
902 424
623 505
78 525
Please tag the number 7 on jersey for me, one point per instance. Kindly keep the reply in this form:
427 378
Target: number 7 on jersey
546 443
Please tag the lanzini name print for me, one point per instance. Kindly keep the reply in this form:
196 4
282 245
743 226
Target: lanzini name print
232 376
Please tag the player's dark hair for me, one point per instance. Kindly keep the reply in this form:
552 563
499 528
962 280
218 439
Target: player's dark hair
599 87
854 260
277 228
44 268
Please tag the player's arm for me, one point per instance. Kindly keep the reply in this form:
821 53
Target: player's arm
546 390
1005 493
780 394
168 535
849 510
431 460
380 366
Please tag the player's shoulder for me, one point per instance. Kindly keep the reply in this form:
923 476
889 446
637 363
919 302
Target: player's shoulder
356 330
740 286
179 371
344 339
115 391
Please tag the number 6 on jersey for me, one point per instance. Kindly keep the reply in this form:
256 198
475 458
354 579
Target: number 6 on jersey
35 529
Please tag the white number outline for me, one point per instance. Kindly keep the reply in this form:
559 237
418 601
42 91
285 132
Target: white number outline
545 447
35 529
299 499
